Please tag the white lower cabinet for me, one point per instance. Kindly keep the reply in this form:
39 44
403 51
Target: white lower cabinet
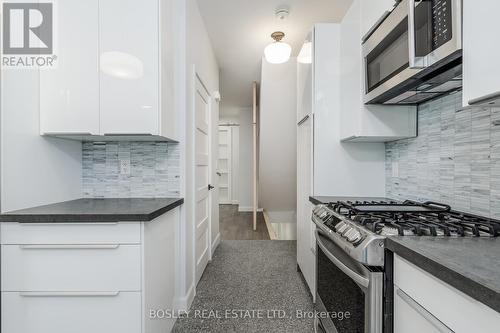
88 277
423 303
54 312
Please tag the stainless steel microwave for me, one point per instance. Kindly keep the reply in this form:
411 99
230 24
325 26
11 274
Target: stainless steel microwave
414 53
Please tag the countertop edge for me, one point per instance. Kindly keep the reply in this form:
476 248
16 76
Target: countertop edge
455 279
90 218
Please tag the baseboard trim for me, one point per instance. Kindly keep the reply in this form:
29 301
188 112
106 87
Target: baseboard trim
248 209
184 303
215 243
270 229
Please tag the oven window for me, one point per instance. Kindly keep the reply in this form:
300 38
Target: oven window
340 295
389 58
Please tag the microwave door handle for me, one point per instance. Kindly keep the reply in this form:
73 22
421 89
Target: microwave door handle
415 62
359 279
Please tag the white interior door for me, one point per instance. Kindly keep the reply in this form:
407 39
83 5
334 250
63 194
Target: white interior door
202 177
225 165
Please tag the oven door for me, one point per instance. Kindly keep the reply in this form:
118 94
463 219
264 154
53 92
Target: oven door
415 36
349 295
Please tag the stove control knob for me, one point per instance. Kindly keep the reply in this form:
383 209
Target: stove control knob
354 237
347 232
340 227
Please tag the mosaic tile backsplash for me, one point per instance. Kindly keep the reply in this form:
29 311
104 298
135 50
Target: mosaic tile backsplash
154 170
455 159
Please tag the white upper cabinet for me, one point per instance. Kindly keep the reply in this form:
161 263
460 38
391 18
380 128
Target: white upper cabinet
305 79
481 78
360 122
115 78
129 62
69 93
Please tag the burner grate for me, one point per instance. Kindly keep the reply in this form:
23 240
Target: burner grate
413 218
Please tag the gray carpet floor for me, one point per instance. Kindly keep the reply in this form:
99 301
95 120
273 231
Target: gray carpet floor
255 277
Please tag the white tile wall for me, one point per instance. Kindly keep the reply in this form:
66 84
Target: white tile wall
154 170
455 159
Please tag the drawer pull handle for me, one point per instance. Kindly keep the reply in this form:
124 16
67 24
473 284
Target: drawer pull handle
68 294
70 247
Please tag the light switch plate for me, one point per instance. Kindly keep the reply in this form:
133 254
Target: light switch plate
125 167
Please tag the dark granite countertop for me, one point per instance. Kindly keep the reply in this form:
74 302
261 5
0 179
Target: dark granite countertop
471 265
95 210
317 200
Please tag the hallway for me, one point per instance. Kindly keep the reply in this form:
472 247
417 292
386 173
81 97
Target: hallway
235 225
247 279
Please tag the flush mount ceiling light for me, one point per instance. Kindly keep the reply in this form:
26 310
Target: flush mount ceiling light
277 52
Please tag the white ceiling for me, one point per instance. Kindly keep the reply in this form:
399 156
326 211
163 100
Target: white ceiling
241 29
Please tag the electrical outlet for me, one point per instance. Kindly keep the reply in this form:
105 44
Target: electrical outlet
125 167
395 169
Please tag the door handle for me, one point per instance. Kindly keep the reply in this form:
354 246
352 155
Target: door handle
219 174
210 187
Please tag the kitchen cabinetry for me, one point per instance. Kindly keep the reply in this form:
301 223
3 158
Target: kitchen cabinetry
69 93
360 122
88 277
115 79
305 124
423 303
481 84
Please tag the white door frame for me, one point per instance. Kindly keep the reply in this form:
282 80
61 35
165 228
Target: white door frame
197 79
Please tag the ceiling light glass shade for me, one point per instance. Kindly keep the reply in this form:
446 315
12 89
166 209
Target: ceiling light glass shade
305 55
278 52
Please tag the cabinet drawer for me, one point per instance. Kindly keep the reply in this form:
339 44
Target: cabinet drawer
443 301
71 312
71 267
70 233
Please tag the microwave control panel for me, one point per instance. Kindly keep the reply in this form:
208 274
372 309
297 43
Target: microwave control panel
441 22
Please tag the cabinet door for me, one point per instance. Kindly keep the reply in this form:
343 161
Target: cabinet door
305 257
129 66
69 93
305 79
481 48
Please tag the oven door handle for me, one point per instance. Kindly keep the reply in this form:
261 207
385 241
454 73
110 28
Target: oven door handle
359 279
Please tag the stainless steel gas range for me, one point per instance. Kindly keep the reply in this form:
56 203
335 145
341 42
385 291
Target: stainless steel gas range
354 272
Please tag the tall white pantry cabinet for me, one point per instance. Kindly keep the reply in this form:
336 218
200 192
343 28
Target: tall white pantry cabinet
115 71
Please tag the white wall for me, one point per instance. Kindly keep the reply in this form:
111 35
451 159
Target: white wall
200 57
34 170
278 137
